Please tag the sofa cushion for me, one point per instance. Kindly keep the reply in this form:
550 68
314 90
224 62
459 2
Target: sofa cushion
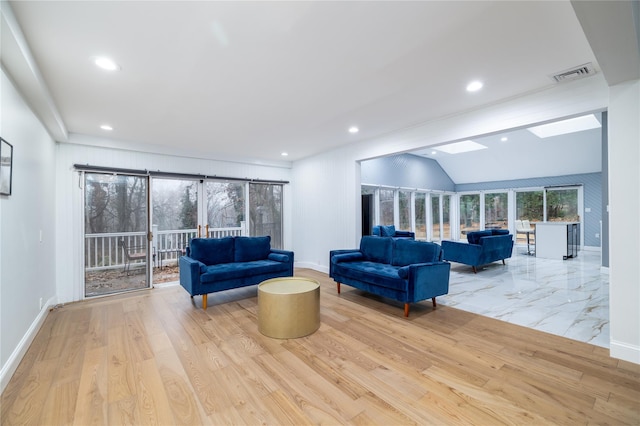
248 249
474 236
387 231
237 270
376 273
499 232
407 252
376 249
211 251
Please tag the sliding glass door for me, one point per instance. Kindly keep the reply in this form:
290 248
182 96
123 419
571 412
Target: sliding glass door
175 222
116 250
265 211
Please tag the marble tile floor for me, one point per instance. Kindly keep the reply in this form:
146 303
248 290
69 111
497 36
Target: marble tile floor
568 298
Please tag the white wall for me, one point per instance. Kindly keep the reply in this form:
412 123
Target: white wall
27 264
112 153
624 223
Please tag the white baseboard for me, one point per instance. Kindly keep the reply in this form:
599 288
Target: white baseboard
310 265
13 362
604 269
624 351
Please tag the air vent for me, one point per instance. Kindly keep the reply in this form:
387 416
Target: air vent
582 71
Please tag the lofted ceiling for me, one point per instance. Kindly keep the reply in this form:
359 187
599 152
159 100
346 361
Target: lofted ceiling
255 79
519 154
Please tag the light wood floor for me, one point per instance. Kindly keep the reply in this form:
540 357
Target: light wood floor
152 357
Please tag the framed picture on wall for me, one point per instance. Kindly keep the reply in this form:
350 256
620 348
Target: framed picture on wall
6 167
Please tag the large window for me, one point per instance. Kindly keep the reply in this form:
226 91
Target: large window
446 217
386 207
496 210
469 214
265 211
225 205
562 205
404 209
530 206
421 216
435 217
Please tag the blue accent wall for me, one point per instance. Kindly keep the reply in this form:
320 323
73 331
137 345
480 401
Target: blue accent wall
406 171
592 183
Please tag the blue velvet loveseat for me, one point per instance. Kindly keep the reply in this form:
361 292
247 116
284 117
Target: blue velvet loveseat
405 270
391 231
217 264
483 247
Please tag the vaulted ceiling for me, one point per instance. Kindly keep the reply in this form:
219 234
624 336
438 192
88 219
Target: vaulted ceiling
255 79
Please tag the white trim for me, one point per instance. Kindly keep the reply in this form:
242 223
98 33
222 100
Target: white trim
604 269
624 351
10 367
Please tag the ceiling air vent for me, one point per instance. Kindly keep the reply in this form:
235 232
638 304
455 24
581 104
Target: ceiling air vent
582 71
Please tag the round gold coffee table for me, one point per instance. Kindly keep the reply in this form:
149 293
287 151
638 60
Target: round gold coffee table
288 307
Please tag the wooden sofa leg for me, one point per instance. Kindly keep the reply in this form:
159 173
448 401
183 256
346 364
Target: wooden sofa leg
475 271
433 299
406 310
338 285
204 301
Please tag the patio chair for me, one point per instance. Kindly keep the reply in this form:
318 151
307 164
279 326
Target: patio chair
132 254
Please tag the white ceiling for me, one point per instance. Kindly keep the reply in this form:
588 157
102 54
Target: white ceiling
254 79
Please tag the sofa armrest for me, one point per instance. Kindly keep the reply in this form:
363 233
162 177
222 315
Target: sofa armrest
288 254
427 280
455 251
278 257
333 253
190 274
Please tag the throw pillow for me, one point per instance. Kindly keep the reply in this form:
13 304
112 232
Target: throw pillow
388 231
376 249
408 252
248 249
212 251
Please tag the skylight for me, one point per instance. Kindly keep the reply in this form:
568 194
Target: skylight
460 147
564 127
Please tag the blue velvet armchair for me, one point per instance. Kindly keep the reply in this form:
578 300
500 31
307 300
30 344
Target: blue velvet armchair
483 247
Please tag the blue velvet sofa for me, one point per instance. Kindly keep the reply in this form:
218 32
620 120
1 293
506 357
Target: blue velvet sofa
483 247
217 264
405 270
391 231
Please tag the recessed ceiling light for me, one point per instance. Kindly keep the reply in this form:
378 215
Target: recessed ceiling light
106 64
284 154
106 127
474 86
460 147
504 139
564 127
353 129
434 152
